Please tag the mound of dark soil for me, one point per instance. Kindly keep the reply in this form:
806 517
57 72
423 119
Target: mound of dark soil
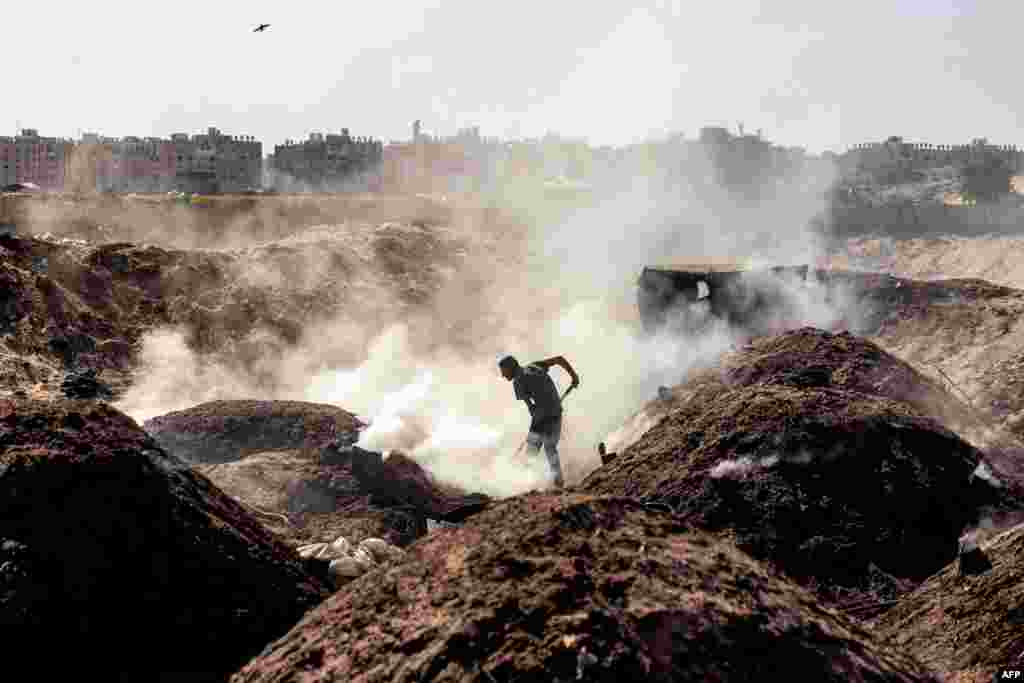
813 358
71 302
816 452
566 588
90 305
399 481
127 560
966 626
975 341
307 499
306 502
225 431
293 464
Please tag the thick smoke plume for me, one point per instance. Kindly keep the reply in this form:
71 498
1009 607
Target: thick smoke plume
427 380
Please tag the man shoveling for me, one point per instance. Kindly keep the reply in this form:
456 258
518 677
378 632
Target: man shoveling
534 385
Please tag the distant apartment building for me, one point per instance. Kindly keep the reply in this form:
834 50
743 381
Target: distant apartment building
216 162
325 163
31 158
128 164
209 163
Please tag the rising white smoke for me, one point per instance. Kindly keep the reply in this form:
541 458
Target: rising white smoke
428 382
574 296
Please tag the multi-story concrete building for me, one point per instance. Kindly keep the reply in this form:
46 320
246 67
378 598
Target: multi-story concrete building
31 158
216 162
208 163
325 163
128 164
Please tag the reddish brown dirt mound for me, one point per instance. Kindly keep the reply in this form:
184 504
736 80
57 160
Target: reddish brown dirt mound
296 498
308 498
967 626
809 358
965 331
891 291
972 343
813 358
306 502
400 481
127 559
796 446
242 306
95 302
223 431
565 588
288 463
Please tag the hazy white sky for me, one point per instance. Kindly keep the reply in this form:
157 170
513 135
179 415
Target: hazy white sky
824 75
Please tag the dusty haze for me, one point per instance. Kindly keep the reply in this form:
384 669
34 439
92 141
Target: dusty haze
428 381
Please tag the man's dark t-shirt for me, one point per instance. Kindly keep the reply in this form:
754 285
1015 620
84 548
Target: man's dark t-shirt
534 383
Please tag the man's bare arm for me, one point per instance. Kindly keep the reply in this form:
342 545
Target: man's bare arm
562 363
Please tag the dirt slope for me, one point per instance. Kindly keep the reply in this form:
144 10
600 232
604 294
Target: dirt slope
968 626
970 340
817 453
242 306
995 259
973 345
223 431
127 560
289 463
563 588
831 522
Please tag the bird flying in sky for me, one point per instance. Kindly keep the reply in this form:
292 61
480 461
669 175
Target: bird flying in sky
261 27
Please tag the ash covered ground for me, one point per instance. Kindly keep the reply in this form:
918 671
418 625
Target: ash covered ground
181 389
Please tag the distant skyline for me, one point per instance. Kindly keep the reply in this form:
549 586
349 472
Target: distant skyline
823 76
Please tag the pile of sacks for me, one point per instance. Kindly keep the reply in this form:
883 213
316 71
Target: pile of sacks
348 561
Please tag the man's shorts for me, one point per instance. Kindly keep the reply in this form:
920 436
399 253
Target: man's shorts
546 433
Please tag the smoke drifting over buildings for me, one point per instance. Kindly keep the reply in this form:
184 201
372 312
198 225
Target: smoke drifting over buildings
747 166
562 280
